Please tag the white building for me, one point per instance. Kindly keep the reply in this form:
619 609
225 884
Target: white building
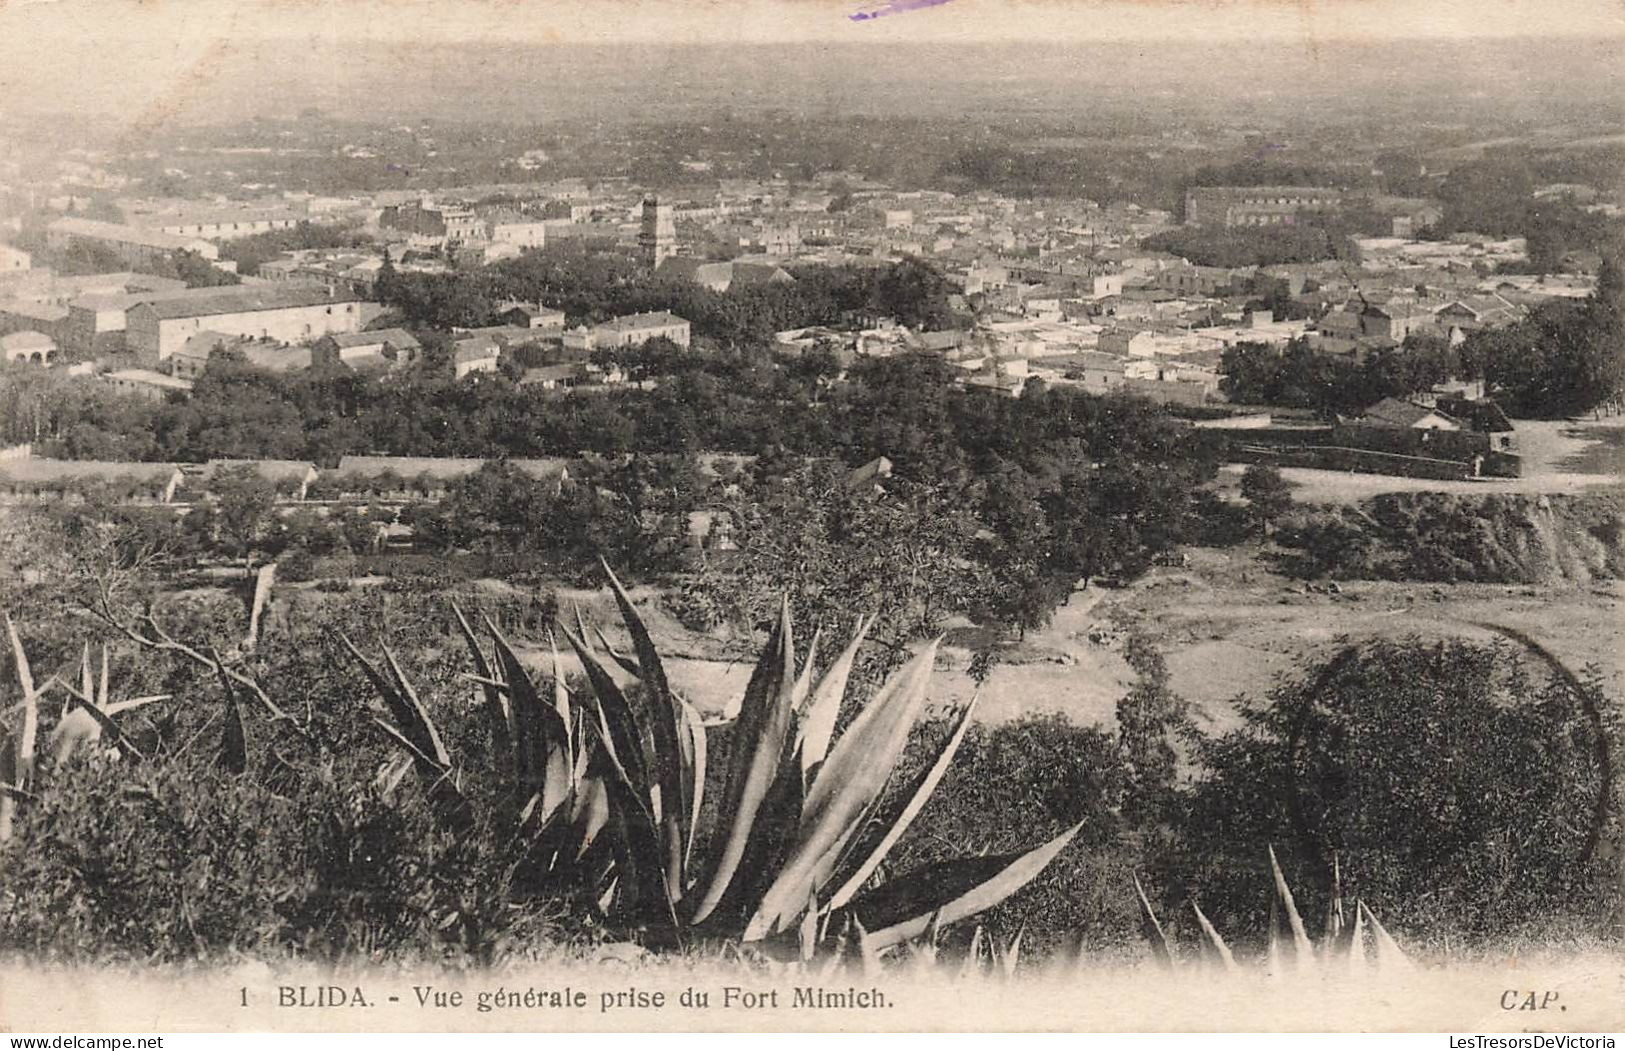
288 313
629 331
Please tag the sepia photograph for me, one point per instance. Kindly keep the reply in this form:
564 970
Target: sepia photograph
780 516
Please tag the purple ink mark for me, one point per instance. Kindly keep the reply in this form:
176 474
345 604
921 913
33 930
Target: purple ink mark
895 7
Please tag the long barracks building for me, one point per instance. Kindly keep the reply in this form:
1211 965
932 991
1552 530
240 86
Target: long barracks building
156 329
1256 205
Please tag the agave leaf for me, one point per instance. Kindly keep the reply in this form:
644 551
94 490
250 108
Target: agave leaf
908 807
10 792
759 739
119 707
8 781
26 737
885 721
924 948
417 734
497 710
74 728
1389 955
639 853
1152 928
1334 908
558 782
399 707
807 936
846 787
448 801
622 735
972 965
234 738
1012 954
772 836
391 773
101 699
952 890
803 686
1300 937
625 663
561 692
1272 945
676 791
419 715
87 682
425 762
607 898
1356 938
590 812
692 746
1214 943
824 704
541 736
867 950
105 722
25 675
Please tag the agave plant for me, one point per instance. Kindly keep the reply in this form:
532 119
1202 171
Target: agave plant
17 745
608 787
1342 941
86 721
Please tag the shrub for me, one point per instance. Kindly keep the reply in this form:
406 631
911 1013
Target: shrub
1029 779
297 565
1454 784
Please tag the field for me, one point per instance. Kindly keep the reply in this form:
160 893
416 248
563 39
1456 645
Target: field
1227 626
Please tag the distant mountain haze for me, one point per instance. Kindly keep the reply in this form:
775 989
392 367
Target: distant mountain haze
1515 79
211 61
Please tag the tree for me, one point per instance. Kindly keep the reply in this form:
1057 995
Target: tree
387 286
1564 358
198 272
915 293
1267 494
497 508
242 506
1150 719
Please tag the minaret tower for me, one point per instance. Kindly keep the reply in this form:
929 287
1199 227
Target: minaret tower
657 241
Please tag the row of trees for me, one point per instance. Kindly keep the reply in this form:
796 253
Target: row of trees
591 286
1301 377
907 408
996 516
250 253
1000 505
1302 242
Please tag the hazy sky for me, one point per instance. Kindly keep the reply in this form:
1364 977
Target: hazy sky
162 55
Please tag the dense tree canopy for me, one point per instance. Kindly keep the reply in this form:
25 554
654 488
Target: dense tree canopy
1301 377
1567 357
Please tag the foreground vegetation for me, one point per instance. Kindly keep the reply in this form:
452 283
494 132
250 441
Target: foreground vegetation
272 804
